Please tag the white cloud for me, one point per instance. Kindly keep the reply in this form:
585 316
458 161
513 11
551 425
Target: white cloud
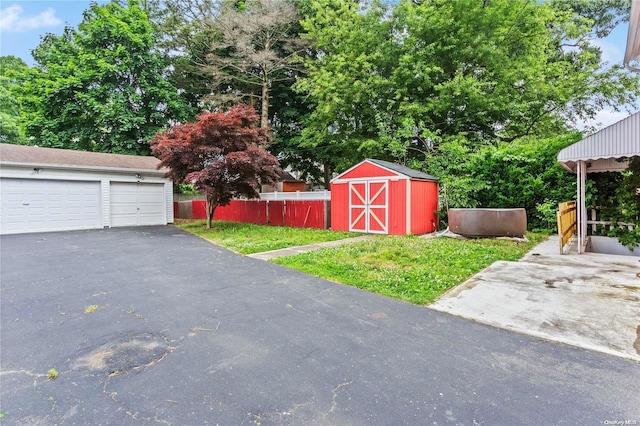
611 52
11 19
602 119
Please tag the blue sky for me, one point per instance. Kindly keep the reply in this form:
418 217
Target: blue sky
23 22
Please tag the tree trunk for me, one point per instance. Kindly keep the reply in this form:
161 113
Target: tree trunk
264 118
211 207
327 174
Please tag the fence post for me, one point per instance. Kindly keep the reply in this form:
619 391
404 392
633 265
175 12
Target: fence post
267 207
560 230
327 214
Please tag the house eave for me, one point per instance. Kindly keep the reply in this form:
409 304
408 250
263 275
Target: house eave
119 170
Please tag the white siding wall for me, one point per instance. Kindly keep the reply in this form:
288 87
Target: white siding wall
106 205
168 192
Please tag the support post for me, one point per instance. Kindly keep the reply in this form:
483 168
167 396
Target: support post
581 171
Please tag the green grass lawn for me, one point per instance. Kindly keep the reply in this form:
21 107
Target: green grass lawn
414 269
247 238
410 268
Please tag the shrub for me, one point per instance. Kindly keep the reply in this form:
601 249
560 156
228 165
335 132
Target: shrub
616 196
524 174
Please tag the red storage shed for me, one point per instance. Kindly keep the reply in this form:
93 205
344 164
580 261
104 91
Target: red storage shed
380 197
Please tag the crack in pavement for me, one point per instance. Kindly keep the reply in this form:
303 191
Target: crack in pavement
35 376
334 402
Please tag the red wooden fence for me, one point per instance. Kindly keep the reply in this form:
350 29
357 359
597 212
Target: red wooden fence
275 212
239 211
293 213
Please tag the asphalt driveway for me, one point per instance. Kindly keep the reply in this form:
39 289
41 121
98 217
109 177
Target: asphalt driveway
154 325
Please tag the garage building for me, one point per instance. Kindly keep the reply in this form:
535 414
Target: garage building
49 189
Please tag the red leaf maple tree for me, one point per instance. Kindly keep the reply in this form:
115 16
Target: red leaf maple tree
222 154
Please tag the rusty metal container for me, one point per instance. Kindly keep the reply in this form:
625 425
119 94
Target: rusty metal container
487 222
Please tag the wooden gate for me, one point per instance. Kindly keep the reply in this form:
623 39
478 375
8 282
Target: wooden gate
368 206
567 223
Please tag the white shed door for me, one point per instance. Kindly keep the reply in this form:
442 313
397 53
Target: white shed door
37 205
137 204
368 206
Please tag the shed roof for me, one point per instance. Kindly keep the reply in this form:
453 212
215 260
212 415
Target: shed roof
287 177
403 170
68 158
606 150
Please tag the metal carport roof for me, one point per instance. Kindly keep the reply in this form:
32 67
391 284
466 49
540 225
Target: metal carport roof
607 149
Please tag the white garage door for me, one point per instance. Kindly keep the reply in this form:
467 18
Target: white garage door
137 204
33 205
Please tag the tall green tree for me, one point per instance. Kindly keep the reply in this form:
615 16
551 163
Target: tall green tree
402 82
257 47
12 70
184 33
601 15
347 82
189 33
102 87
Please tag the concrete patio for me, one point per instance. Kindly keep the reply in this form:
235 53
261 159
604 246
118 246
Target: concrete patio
589 300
